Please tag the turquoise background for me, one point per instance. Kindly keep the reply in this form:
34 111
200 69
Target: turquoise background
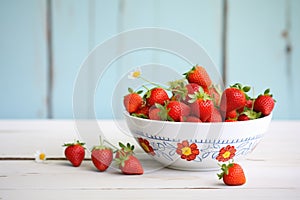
258 35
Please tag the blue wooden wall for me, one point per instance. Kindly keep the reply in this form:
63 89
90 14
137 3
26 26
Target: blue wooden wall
262 48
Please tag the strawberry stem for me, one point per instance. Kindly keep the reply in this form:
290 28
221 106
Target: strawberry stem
155 84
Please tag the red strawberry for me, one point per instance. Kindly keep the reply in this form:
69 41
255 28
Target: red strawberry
154 113
181 91
199 76
215 117
75 152
132 101
249 104
215 94
192 119
264 103
142 112
232 174
130 165
243 117
231 114
232 99
191 89
102 156
230 120
125 150
177 110
156 95
202 106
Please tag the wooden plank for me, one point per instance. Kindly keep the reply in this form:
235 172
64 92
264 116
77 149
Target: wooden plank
199 20
162 14
70 47
28 175
33 180
50 135
256 49
234 193
42 176
294 80
23 59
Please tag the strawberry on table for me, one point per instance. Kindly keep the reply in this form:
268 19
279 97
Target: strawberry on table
132 101
232 174
125 150
264 103
199 75
102 156
130 165
75 152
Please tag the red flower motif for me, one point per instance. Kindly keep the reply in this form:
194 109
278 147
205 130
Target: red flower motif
146 146
187 151
226 153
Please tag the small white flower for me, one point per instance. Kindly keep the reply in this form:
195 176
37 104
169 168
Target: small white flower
135 74
40 156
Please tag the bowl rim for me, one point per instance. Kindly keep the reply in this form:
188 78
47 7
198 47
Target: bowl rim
199 123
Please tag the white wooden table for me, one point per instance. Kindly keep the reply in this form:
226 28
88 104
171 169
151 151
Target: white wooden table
272 170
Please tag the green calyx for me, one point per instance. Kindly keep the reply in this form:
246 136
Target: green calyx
225 169
244 89
140 115
163 112
241 87
101 146
77 142
200 94
251 114
122 158
186 74
126 148
131 91
178 88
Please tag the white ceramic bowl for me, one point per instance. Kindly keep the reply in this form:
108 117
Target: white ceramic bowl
163 140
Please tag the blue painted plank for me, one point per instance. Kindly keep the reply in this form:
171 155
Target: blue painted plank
256 49
188 18
23 59
294 81
70 46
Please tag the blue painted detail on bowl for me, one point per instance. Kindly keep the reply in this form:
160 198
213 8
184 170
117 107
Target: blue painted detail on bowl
209 149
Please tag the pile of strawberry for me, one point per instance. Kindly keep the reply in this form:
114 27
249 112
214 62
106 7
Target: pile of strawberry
102 157
196 99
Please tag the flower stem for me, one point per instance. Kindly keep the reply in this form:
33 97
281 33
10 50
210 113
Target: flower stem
155 84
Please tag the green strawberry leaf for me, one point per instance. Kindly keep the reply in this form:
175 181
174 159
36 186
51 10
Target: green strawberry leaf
267 91
246 88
